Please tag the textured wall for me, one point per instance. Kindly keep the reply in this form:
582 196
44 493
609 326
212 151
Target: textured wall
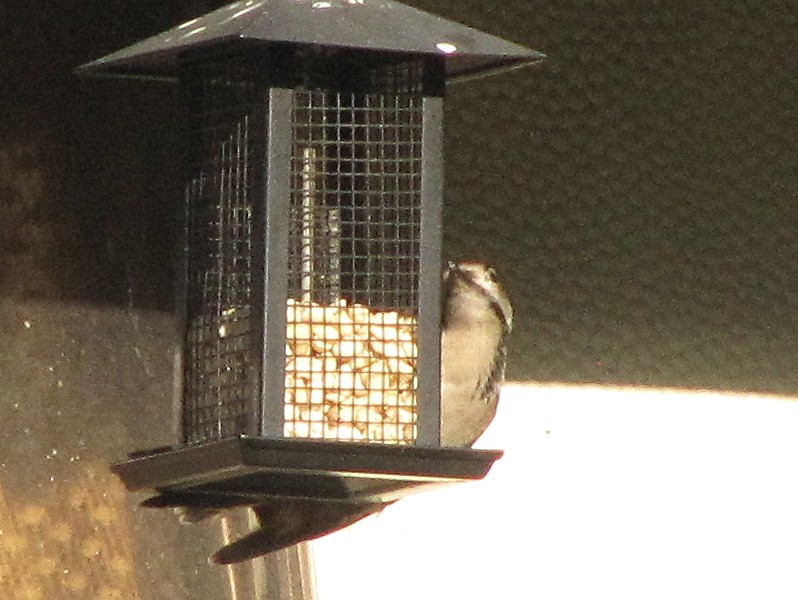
87 223
639 190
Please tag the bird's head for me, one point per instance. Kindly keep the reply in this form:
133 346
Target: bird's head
475 284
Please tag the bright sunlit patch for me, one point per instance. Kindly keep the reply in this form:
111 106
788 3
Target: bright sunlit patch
187 24
243 11
195 31
625 493
446 47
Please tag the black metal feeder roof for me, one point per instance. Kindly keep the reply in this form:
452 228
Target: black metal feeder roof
381 25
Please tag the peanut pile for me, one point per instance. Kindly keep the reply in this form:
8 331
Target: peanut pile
350 373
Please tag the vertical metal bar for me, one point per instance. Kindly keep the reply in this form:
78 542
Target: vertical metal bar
184 392
220 410
333 264
289 574
256 197
309 201
275 264
191 95
429 310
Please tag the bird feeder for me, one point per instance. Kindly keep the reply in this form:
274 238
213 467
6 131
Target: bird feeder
311 268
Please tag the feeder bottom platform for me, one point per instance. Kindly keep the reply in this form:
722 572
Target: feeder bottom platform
244 469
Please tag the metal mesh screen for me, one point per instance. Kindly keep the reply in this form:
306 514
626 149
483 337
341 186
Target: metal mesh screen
220 379
353 260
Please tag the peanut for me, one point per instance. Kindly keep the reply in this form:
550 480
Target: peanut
350 373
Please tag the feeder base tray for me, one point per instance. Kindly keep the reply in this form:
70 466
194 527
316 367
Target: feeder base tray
254 468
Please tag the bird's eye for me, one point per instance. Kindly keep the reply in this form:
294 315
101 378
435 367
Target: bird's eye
490 274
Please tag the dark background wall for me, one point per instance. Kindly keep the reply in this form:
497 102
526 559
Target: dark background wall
637 192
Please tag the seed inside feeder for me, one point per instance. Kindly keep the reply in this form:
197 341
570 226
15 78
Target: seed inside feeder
350 373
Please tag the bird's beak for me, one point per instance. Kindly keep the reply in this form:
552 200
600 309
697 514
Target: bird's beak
450 272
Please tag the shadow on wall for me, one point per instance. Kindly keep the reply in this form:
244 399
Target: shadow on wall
90 211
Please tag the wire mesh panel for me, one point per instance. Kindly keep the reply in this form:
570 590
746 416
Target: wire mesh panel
221 372
353 259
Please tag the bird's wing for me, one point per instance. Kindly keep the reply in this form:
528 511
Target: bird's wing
193 508
491 384
285 522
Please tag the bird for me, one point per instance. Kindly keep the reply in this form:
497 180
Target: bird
283 522
476 319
